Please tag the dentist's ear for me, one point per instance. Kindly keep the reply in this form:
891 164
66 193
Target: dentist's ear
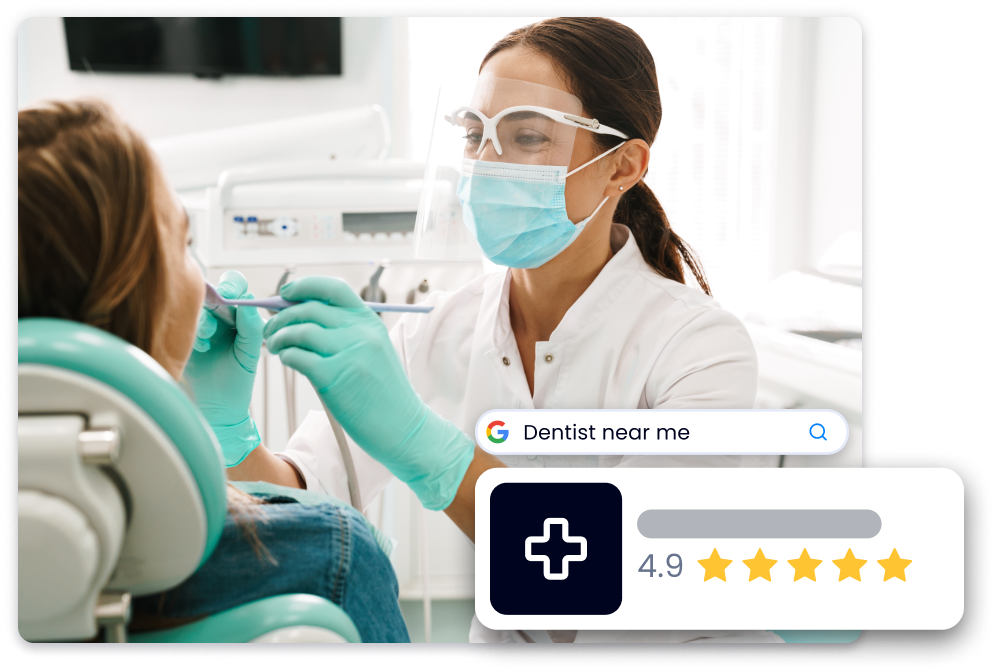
631 162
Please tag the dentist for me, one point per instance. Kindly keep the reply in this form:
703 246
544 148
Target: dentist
593 310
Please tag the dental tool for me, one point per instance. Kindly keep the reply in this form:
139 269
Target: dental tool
221 307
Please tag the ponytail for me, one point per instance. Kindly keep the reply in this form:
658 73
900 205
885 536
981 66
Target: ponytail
642 214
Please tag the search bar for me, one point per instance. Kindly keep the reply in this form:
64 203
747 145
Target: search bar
661 432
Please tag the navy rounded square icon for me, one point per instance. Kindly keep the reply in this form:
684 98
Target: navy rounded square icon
556 548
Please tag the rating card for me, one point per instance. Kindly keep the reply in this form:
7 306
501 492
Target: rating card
719 548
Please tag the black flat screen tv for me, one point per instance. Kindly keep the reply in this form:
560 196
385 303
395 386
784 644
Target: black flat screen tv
206 47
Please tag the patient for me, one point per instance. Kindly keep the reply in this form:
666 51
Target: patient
102 240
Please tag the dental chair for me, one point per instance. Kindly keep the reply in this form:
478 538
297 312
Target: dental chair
121 493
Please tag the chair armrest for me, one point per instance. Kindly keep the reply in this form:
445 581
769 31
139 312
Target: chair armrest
251 620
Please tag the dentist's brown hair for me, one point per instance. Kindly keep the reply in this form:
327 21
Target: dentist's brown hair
610 69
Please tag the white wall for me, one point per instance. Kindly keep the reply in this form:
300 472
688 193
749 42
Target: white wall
163 105
836 195
820 140
794 145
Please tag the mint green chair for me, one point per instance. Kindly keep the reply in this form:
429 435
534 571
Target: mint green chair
121 493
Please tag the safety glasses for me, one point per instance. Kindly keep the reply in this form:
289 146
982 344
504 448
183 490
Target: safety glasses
522 129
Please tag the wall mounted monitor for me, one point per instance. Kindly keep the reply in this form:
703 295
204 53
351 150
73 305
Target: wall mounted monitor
206 47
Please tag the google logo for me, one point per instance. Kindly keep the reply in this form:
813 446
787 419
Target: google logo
501 434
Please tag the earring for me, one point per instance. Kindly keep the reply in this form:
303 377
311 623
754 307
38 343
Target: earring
621 188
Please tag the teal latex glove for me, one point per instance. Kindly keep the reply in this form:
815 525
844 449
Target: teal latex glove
222 369
343 348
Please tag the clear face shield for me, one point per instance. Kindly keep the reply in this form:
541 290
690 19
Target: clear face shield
496 171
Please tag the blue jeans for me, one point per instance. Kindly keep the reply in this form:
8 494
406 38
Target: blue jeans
324 549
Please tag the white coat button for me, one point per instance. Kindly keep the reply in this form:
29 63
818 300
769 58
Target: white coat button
506 361
548 358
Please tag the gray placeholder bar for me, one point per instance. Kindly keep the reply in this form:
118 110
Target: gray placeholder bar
759 524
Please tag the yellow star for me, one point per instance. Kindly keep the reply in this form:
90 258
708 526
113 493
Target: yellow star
715 566
804 566
760 566
849 566
894 566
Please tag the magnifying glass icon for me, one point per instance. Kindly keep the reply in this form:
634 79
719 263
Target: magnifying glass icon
817 436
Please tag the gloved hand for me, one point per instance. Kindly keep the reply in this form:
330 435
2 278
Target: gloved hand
342 347
222 369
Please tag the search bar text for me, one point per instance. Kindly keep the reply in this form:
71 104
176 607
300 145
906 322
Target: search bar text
661 432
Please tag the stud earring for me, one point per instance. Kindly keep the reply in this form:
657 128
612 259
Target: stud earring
621 188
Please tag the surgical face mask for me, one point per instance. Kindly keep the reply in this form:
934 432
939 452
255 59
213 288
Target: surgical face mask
518 212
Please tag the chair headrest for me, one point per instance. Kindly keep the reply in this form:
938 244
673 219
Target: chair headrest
107 359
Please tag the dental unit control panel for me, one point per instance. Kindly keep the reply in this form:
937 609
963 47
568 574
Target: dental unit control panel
265 228
308 212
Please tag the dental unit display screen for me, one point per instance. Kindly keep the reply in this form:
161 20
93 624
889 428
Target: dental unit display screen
206 47
378 222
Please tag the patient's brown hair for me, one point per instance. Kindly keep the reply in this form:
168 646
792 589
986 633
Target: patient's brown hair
88 244
88 240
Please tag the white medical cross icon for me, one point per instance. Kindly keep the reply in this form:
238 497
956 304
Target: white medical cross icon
567 538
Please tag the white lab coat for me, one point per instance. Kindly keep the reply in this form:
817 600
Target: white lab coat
634 339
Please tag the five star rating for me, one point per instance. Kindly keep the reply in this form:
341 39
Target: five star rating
804 566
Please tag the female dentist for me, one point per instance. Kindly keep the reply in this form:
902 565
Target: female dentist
593 311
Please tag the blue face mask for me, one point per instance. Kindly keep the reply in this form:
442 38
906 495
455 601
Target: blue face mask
518 212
